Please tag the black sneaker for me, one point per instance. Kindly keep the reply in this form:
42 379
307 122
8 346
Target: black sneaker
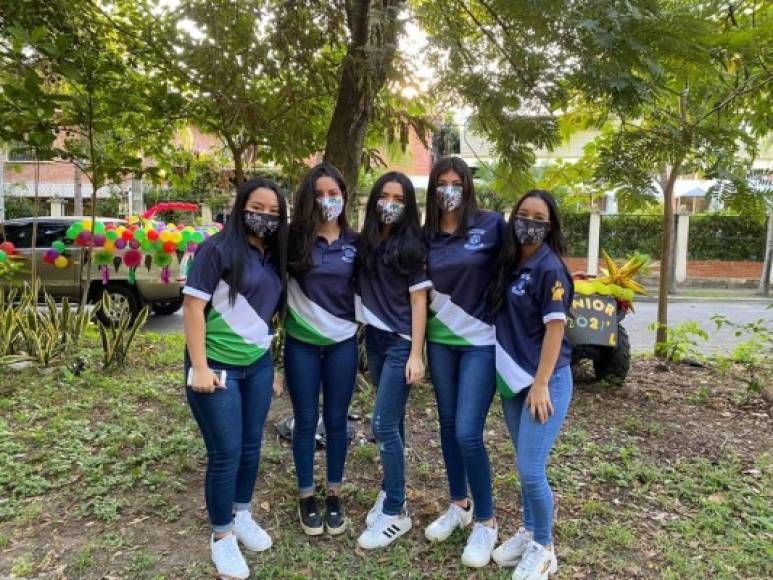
311 521
335 519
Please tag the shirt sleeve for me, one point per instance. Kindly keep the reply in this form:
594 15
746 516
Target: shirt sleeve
205 272
555 295
419 280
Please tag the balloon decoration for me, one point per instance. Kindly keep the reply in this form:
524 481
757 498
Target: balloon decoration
57 255
134 240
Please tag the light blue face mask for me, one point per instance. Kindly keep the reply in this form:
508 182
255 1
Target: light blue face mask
330 207
449 197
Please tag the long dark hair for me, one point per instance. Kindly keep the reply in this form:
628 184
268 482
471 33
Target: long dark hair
405 249
235 244
510 256
307 216
469 203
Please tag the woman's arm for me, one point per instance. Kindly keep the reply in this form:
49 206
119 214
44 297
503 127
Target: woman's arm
538 399
194 323
414 370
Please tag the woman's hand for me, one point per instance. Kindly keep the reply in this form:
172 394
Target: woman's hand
538 402
203 380
414 369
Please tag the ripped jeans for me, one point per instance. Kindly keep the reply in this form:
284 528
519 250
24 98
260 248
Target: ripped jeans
387 356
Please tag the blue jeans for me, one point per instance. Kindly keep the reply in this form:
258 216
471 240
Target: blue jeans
533 441
335 368
388 354
231 421
464 382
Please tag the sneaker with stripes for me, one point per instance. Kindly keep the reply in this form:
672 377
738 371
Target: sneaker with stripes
385 530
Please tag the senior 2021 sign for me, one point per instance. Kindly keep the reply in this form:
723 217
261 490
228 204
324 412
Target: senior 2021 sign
593 320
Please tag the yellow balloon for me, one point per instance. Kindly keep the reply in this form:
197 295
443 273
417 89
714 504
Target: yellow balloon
133 219
164 236
109 246
86 224
61 262
177 237
120 230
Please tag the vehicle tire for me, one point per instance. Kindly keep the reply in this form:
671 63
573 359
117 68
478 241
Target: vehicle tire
125 299
167 307
613 364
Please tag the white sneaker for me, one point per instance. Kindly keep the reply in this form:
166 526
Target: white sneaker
537 564
228 559
511 552
249 533
376 509
385 530
454 517
480 544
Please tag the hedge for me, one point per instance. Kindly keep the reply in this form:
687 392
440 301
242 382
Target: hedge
711 237
725 237
623 235
575 226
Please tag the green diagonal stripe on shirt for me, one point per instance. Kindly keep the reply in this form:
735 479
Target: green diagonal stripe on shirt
440 333
225 346
302 330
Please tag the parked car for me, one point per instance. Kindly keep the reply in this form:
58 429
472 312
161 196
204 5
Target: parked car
164 299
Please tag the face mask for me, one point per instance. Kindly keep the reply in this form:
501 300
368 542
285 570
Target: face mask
330 207
528 231
389 212
449 196
261 224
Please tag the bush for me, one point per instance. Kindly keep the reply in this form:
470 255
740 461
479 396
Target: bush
726 237
18 207
575 226
623 235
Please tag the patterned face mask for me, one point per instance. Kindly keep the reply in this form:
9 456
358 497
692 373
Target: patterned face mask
449 196
330 207
528 231
389 212
261 224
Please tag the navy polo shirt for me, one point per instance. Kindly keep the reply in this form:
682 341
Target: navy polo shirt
321 300
239 333
538 292
461 269
383 297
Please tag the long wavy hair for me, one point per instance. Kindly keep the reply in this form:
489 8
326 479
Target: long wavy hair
469 203
512 250
307 216
235 244
404 248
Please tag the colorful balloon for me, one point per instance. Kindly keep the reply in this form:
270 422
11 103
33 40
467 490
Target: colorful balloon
61 262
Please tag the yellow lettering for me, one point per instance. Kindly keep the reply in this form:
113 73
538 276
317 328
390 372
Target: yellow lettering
598 305
594 323
610 309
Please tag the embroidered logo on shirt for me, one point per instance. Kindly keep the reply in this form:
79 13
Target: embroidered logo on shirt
475 239
519 288
557 291
349 253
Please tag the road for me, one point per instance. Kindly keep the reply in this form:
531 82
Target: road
638 323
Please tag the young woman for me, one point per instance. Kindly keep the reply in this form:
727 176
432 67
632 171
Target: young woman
392 301
532 297
234 288
321 343
464 244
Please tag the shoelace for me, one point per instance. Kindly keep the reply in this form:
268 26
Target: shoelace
451 515
479 536
530 559
231 551
382 522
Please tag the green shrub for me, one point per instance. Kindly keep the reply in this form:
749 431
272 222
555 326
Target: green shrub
726 237
623 235
575 226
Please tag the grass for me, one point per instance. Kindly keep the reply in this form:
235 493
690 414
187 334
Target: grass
102 474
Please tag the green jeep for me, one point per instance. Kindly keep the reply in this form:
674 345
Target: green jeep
70 282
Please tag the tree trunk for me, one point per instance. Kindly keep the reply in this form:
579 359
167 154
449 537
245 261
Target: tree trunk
768 263
374 26
78 192
35 212
666 258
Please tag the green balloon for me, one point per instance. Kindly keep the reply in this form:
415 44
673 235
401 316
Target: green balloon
74 230
197 237
3 256
146 244
99 228
59 246
111 235
140 235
